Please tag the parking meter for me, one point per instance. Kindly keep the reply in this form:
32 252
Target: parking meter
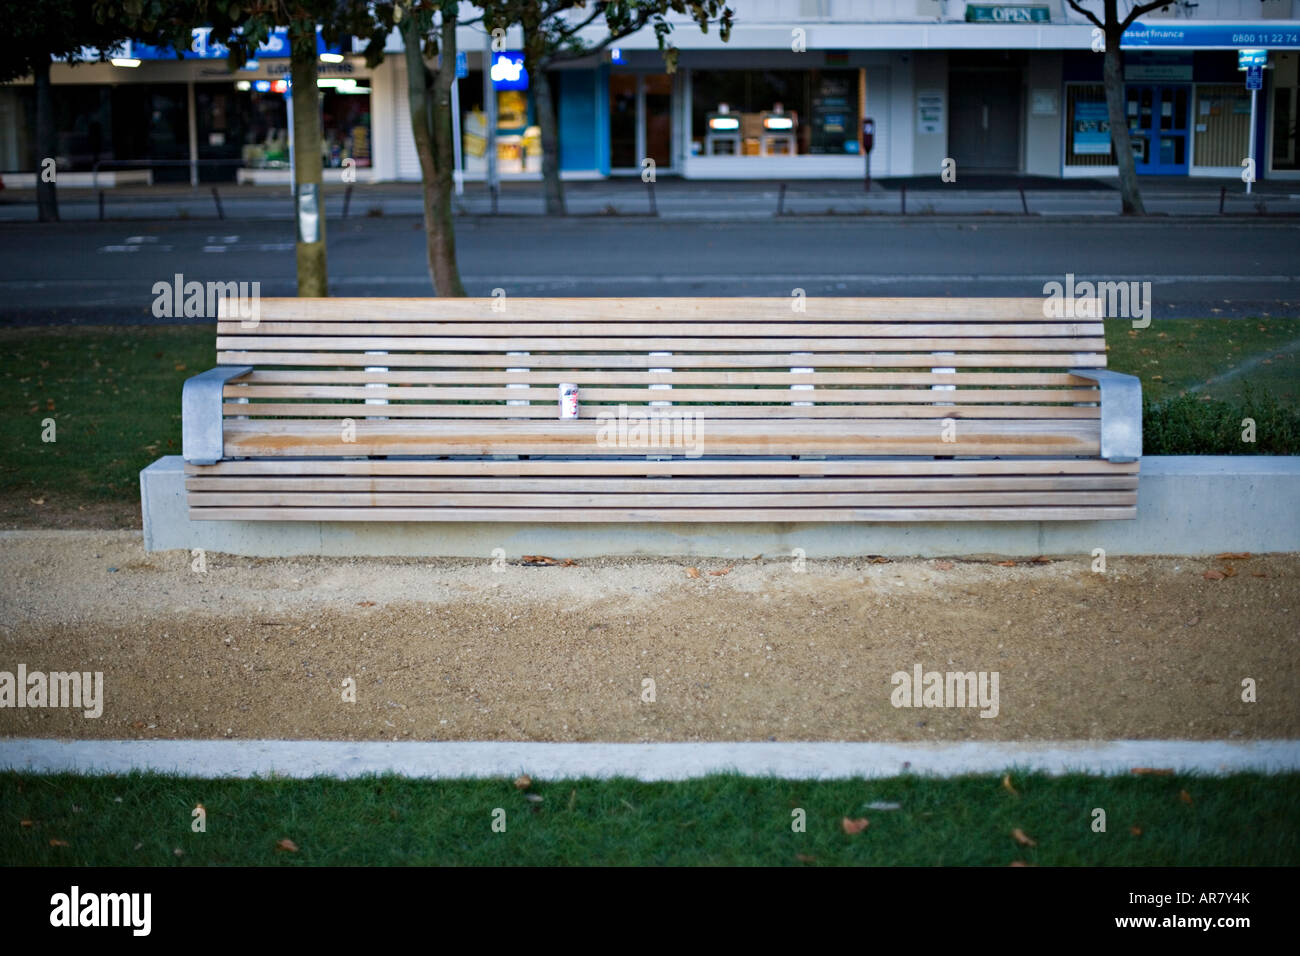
868 140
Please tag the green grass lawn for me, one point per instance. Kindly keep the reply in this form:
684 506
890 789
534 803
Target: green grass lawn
114 393
146 819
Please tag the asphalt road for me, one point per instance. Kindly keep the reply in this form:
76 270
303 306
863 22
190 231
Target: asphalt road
95 272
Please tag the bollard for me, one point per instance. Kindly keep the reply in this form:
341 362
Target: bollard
494 189
101 205
216 197
904 198
1023 205
1223 194
347 200
654 209
780 201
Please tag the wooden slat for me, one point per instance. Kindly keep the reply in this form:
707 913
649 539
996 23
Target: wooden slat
750 309
837 360
613 343
249 438
699 411
806 485
644 515
434 393
956 499
740 329
722 468
553 377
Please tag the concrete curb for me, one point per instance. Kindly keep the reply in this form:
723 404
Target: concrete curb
1188 505
657 761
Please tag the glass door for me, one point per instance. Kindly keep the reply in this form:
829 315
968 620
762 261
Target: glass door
1157 126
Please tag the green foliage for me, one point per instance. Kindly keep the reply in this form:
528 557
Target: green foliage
1190 425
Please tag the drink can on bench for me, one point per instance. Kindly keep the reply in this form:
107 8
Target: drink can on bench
568 400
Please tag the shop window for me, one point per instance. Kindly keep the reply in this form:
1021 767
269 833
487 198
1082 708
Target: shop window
1087 125
518 137
1222 124
774 112
1286 105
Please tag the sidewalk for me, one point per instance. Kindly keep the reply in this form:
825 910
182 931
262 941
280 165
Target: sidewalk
689 199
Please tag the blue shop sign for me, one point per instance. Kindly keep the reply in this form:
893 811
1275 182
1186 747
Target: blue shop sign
204 47
1207 36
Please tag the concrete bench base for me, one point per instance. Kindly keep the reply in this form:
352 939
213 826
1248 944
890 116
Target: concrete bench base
1186 505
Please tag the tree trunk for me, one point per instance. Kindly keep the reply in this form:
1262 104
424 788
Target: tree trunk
313 275
431 129
1113 75
552 186
47 146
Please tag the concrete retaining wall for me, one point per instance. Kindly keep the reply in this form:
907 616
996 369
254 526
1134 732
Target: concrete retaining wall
1186 505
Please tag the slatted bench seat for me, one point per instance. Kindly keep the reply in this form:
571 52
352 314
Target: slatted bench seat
850 410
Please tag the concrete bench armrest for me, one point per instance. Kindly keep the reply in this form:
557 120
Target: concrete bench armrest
1121 413
201 433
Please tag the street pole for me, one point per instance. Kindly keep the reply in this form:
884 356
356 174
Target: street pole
458 173
193 132
1253 94
490 107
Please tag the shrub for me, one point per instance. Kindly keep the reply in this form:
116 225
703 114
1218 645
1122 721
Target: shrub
1188 425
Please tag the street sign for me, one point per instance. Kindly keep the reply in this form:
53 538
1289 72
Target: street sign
1249 58
462 64
1255 78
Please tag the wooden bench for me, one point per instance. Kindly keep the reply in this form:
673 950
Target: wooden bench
850 410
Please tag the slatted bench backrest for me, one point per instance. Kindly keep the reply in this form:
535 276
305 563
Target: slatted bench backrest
727 359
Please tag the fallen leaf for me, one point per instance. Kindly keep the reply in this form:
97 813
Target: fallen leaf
180 366
54 842
1213 575
1184 796
568 563
523 782
692 572
1229 571
137 724
1023 838
37 501
365 604
287 845
1232 556
1006 785
1136 831
1153 771
943 565
25 823
1041 559
1006 564
855 826
880 559
536 559
805 858
718 574
1020 863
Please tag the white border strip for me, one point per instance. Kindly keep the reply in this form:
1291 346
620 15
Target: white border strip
650 761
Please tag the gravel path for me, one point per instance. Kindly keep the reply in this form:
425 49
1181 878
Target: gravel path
454 650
